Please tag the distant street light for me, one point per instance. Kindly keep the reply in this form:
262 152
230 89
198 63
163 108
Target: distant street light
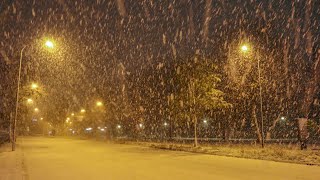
99 103
49 44
34 86
118 126
36 110
82 110
205 121
283 118
72 114
41 118
165 124
245 49
29 101
89 129
140 125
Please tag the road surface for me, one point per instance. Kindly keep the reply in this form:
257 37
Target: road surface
69 159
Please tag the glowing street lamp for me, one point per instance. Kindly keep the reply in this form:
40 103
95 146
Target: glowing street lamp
36 110
34 86
244 49
29 101
49 44
72 114
99 103
82 110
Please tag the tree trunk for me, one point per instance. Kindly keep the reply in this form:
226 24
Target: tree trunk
226 134
271 128
195 131
10 130
254 117
207 18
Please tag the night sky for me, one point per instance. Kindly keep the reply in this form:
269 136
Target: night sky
94 37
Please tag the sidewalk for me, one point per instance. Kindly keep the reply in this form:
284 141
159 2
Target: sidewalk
11 163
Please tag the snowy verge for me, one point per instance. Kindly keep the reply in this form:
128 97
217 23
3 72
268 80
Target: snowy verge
279 153
289 153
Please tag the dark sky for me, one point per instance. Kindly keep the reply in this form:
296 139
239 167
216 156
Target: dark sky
95 36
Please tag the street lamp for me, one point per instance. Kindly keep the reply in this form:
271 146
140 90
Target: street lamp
245 49
36 110
48 44
29 101
34 86
82 110
99 103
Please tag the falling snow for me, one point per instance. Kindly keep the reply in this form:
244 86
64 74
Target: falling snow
159 68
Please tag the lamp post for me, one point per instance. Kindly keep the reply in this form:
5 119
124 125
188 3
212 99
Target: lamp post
48 44
14 124
245 48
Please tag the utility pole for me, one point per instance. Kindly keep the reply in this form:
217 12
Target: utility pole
261 110
14 124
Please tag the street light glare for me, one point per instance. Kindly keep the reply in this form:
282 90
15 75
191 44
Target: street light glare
49 44
34 86
244 48
83 111
29 101
99 103
36 109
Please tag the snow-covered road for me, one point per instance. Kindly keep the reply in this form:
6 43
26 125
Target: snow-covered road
69 159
